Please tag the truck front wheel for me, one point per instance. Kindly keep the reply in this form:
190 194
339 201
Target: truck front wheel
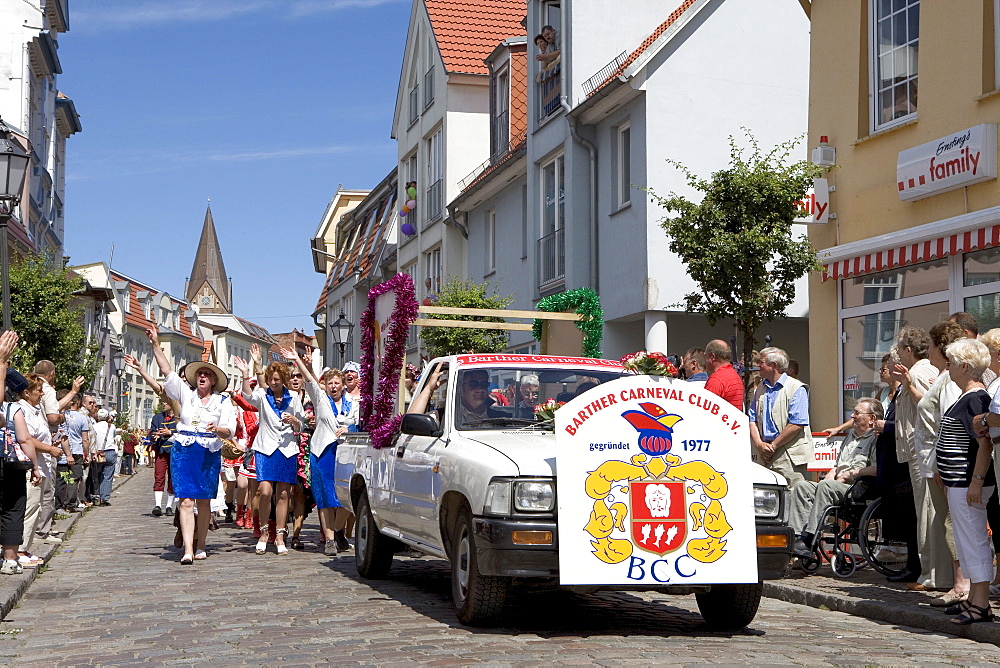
372 550
478 598
730 606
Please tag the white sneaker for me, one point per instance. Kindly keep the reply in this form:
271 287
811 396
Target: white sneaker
82 506
55 540
11 567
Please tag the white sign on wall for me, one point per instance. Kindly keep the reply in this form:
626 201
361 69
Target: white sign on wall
654 486
814 208
825 452
955 161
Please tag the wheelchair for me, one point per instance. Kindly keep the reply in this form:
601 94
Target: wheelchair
853 534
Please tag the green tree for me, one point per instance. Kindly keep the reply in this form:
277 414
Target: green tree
48 325
455 340
737 242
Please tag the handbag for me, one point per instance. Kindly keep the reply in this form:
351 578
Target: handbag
230 450
13 456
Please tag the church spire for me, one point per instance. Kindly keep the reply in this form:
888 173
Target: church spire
209 288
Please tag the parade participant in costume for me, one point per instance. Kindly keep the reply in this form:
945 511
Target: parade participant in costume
276 446
246 482
334 413
206 417
352 381
302 501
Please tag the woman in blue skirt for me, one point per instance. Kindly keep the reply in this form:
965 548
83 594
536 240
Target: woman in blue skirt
206 417
335 413
276 447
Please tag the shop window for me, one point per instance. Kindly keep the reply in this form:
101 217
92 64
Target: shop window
900 283
981 267
866 338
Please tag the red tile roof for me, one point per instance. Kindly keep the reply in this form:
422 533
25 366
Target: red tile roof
634 56
136 314
468 30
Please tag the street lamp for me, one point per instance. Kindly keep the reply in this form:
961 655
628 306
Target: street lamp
13 168
118 366
340 330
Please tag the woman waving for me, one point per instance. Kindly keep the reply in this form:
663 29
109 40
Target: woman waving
276 446
206 417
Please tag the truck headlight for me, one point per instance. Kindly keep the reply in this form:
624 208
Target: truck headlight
766 502
498 498
534 495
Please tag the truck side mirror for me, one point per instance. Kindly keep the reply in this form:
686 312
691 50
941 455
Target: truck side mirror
420 424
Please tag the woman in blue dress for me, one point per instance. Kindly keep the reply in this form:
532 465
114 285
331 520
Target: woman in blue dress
335 415
276 447
206 417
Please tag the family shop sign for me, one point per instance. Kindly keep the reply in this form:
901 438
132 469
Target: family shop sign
955 161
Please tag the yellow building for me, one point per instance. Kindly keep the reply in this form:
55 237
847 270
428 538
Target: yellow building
914 233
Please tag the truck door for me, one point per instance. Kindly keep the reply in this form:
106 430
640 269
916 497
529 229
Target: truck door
416 487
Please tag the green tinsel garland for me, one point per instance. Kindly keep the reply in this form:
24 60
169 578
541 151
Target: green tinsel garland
585 302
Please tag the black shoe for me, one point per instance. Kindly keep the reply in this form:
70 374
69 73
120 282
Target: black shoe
156 511
800 549
341 541
905 576
169 511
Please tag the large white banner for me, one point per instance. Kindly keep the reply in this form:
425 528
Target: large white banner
385 304
654 486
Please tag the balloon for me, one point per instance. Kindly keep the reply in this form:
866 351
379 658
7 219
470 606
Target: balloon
412 192
403 212
406 209
412 204
407 229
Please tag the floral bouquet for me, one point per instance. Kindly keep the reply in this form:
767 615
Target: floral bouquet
647 363
546 411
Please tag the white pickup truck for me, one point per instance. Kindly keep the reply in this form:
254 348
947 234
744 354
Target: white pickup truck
478 488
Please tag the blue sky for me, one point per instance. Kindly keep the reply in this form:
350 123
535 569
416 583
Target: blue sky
263 105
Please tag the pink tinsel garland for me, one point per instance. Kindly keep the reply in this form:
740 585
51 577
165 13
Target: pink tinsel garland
377 404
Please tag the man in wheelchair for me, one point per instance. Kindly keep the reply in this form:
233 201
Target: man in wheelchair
855 459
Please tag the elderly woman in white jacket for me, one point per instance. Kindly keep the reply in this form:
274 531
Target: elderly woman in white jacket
276 447
335 412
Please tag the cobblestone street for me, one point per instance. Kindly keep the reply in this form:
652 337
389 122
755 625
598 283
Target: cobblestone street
116 595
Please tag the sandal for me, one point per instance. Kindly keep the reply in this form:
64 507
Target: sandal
973 614
958 608
261 547
200 555
297 543
282 549
949 600
187 560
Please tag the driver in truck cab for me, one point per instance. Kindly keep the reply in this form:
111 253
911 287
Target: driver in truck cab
475 404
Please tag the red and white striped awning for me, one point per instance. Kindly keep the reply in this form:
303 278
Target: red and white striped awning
923 251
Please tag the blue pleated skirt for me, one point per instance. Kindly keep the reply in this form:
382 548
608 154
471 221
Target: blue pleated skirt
322 482
194 471
276 467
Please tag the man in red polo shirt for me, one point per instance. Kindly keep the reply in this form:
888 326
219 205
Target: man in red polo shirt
722 377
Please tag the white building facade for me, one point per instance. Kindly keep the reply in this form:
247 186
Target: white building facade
31 102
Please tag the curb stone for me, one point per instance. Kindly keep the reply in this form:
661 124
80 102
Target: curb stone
918 616
13 587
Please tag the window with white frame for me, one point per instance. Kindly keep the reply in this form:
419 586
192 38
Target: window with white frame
624 166
874 307
500 126
491 241
552 249
435 176
432 274
895 36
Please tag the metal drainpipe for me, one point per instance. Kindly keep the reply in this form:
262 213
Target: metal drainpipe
591 149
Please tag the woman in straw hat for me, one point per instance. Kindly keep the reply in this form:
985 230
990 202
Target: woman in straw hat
206 417
276 447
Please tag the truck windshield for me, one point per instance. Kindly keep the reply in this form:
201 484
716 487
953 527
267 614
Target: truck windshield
499 398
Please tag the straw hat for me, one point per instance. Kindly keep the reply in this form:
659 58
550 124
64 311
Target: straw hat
191 375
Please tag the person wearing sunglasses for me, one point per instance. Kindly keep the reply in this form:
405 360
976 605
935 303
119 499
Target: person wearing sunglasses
475 404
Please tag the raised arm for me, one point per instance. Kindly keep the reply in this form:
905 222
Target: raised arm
258 362
419 403
241 366
161 358
68 398
152 382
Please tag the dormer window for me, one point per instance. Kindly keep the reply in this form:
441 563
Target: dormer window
500 125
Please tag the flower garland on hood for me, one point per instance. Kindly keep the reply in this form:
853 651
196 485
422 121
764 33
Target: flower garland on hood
378 404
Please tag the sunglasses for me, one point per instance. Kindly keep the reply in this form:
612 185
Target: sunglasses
296 375
476 384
